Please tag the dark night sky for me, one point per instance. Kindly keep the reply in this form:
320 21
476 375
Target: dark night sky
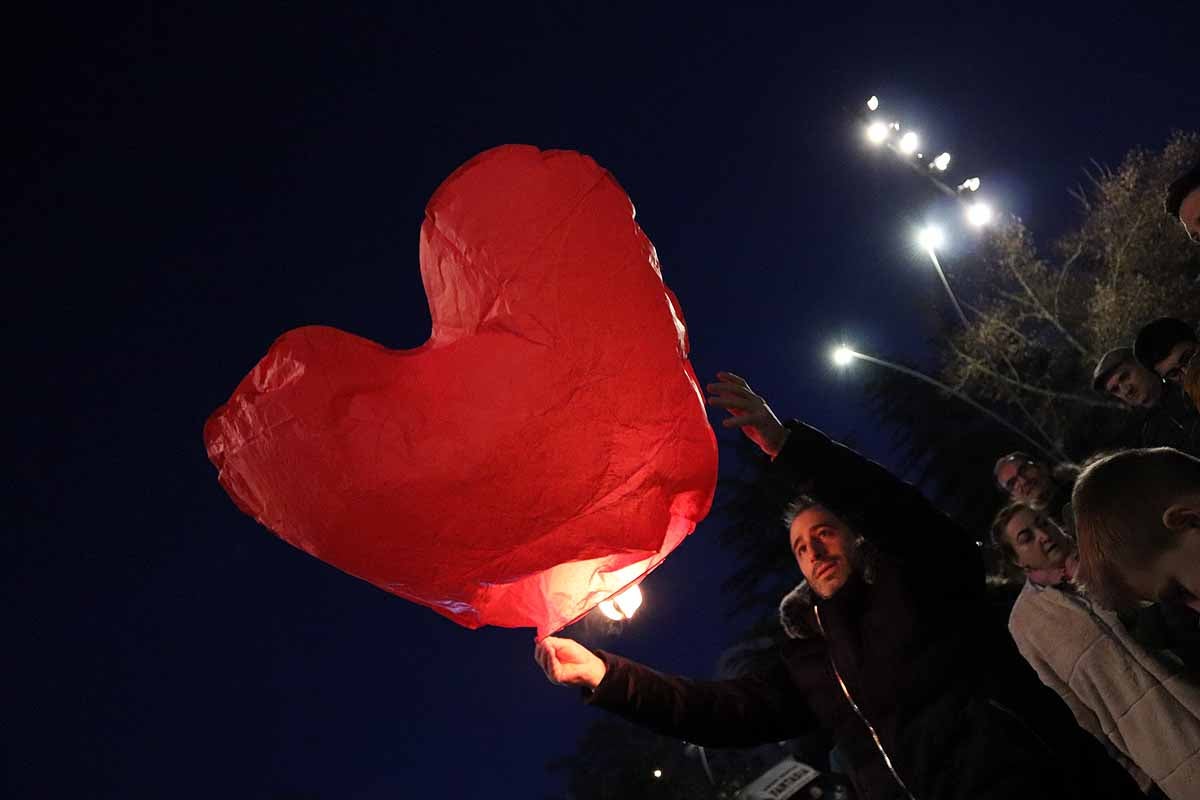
188 181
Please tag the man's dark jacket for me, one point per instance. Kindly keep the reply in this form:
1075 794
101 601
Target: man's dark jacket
922 693
1172 423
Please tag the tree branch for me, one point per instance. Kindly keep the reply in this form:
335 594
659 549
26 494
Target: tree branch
1046 315
1064 396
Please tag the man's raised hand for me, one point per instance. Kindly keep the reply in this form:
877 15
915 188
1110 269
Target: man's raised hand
568 663
749 412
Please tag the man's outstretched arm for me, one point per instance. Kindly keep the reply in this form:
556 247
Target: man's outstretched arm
733 713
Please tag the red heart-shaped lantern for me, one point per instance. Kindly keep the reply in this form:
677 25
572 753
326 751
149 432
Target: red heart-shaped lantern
547 447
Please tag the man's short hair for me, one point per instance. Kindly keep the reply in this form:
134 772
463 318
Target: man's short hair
1155 339
799 504
1000 526
1180 188
1118 505
1108 363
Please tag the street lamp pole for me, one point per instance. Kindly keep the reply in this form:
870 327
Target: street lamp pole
929 239
938 266
844 355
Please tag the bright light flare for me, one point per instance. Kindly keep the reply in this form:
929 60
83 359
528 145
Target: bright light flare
658 773
942 162
842 356
979 214
909 143
624 605
873 103
969 185
877 132
931 237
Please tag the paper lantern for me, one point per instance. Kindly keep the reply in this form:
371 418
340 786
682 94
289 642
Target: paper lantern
544 449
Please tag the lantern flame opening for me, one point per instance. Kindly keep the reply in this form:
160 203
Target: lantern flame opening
622 606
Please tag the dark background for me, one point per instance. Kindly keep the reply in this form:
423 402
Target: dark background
184 182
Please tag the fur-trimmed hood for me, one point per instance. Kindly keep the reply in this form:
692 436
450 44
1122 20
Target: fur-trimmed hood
795 613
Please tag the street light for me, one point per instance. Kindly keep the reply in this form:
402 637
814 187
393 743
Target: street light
843 355
979 214
969 185
873 103
622 606
941 162
877 132
931 238
909 143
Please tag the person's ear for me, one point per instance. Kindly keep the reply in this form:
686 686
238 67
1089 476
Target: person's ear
1181 517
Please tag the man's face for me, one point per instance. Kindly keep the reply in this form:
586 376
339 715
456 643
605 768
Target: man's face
823 546
1134 385
1175 364
1025 481
1189 214
1037 542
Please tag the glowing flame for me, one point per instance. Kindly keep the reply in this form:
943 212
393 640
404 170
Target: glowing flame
624 605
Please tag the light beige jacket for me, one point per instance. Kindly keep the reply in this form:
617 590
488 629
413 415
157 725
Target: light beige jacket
1140 704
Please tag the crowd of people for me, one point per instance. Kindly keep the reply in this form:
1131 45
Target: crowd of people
1110 552
1094 689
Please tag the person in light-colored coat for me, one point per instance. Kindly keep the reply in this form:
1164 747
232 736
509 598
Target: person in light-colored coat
1144 705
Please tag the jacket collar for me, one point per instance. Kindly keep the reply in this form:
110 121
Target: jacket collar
795 612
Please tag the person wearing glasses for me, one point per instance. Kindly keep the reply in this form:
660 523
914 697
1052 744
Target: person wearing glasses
1140 701
1183 202
1167 346
1033 482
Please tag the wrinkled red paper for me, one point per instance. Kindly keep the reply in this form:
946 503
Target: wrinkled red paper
547 447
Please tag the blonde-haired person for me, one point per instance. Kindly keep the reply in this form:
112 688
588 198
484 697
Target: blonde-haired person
1137 517
1139 702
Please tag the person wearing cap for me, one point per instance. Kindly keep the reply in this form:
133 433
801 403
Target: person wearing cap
1168 419
1166 346
1119 374
1183 201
